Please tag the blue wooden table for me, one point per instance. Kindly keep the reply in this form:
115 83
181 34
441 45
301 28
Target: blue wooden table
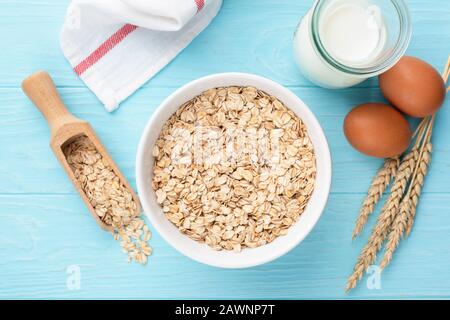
47 236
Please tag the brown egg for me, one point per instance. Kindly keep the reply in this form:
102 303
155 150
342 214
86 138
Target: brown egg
414 87
377 130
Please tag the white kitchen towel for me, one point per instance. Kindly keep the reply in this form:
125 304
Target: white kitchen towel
115 46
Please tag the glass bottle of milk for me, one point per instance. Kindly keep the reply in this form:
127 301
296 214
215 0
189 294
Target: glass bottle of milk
340 43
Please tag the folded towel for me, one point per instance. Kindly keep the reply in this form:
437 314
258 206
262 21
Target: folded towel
115 46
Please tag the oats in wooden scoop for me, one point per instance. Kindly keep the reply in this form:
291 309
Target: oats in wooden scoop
111 200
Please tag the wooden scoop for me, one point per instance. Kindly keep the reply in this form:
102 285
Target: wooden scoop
65 127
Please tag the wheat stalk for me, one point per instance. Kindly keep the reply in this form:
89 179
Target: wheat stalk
391 207
405 217
446 73
379 185
417 184
398 213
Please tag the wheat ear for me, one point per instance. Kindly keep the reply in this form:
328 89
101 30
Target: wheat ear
417 187
398 228
376 190
369 253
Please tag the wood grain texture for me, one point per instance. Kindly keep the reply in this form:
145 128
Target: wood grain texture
47 234
46 228
248 36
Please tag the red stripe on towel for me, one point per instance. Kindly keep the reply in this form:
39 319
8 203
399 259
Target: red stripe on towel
113 41
200 4
104 48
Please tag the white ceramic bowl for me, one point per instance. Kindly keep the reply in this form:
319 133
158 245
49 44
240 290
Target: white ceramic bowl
201 252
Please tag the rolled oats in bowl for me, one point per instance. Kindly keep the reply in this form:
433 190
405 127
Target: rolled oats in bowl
234 168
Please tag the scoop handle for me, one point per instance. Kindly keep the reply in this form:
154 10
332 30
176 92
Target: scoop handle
41 90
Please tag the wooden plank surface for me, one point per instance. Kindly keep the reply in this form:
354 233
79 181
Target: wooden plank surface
247 36
43 236
46 229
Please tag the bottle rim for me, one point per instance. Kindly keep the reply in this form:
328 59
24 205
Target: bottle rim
398 51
